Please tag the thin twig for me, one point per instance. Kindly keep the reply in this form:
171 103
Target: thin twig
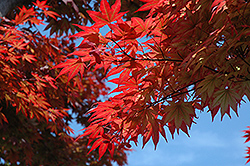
122 49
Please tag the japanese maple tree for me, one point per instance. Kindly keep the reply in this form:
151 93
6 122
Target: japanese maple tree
185 56
36 109
172 57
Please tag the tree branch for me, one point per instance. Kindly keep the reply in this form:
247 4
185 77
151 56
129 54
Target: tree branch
174 93
144 59
122 49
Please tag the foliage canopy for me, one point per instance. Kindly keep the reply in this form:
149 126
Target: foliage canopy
36 109
180 57
184 57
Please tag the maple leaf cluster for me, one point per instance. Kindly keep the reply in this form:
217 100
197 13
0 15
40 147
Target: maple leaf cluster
185 56
70 12
35 107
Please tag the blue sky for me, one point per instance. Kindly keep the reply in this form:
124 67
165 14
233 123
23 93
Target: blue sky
210 144
217 143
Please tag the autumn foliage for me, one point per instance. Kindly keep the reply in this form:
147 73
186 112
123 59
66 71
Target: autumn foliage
35 107
184 56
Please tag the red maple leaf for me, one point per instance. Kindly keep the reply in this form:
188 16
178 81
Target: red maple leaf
149 5
107 14
28 58
72 67
41 4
